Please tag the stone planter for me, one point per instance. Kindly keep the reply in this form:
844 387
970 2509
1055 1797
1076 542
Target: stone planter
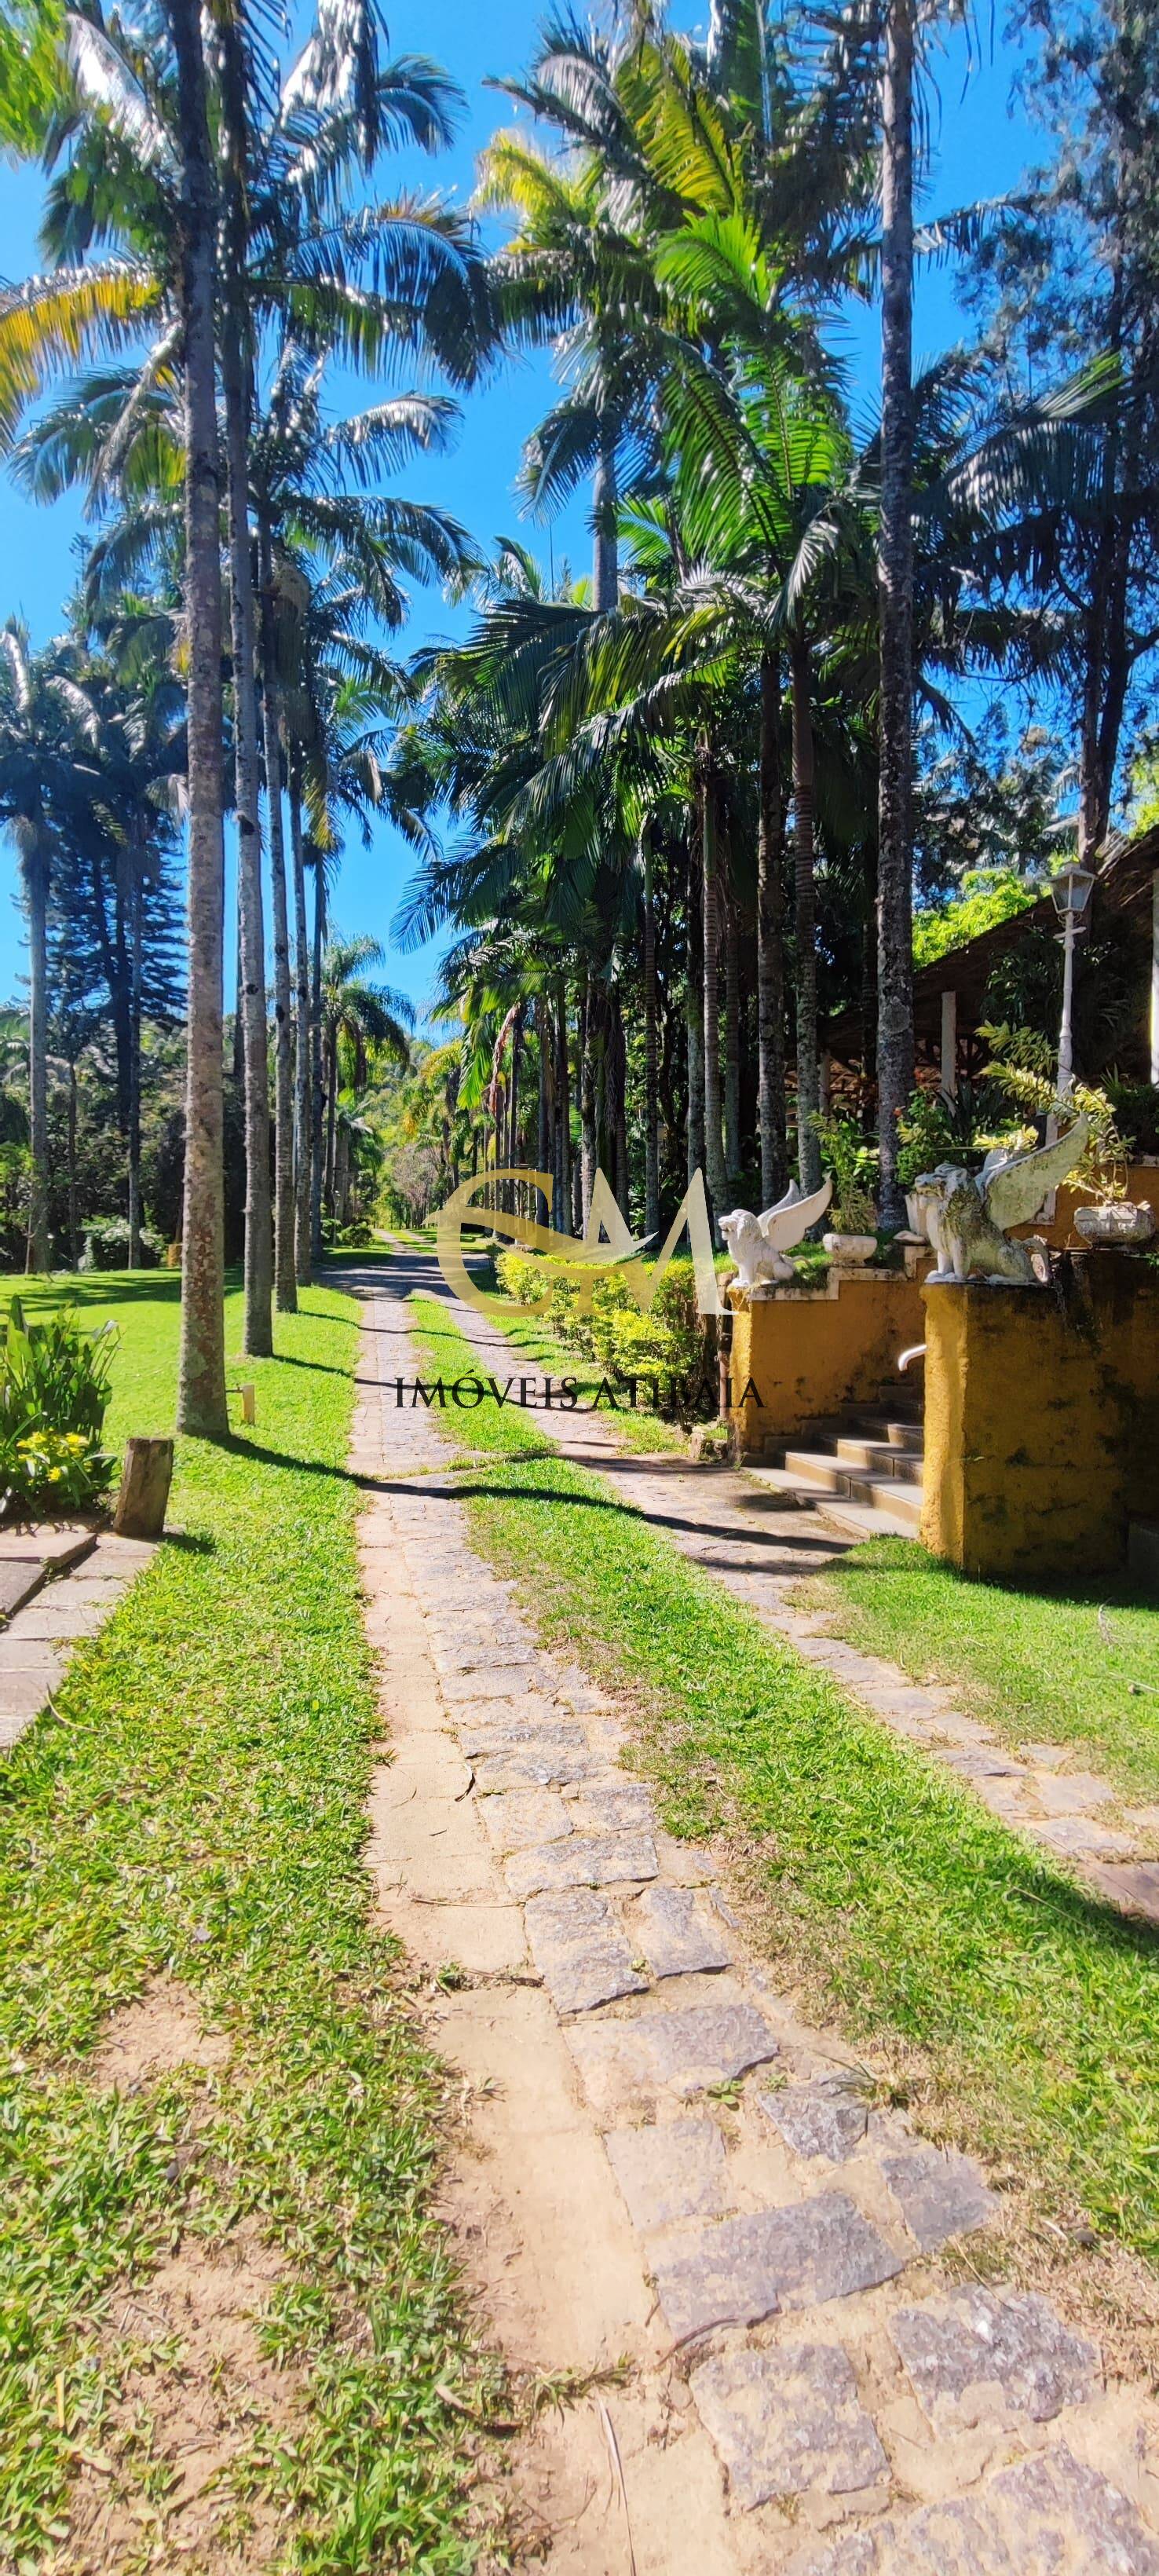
1116 1221
850 1251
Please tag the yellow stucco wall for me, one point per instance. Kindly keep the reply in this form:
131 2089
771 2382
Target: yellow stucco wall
1042 1421
809 1352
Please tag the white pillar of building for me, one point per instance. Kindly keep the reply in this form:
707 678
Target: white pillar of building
950 1041
1155 977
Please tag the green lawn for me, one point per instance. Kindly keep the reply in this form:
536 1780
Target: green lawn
1022 2008
1039 1666
196 1809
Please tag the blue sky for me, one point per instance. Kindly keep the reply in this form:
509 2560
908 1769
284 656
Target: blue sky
982 147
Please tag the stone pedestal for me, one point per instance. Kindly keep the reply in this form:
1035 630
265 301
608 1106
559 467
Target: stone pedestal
1042 1421
807 1352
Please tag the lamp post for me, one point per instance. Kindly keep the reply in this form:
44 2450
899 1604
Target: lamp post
1071 893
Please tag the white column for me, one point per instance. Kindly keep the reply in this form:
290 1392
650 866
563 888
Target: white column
950 1043
1155 977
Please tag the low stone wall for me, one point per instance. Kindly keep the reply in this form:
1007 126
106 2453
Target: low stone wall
810 1351
1042 1421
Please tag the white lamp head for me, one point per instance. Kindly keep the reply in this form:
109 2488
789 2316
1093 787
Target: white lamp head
1071 890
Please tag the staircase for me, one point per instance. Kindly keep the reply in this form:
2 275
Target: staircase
862 1470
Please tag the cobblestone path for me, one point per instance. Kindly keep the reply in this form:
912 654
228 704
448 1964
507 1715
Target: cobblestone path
675 2199
724 1522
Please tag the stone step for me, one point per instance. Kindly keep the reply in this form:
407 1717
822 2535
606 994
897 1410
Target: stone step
898 1501
818 1467
901 1498
882 1459
899 1431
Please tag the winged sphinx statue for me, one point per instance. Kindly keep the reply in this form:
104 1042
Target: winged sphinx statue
758 1244
967 1216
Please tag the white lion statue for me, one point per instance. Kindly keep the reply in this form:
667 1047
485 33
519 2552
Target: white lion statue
758 1244
967 1215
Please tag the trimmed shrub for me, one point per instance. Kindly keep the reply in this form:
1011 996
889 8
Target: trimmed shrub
54 1394
107 1245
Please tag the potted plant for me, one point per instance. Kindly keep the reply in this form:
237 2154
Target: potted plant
851 1163
1111 1217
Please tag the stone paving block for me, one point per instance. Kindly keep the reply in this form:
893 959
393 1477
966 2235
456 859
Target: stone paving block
689 2050
30 1654
982 1762
522 1728
674 1936
684 1864
56 1619
579 1950
677 2169
499 1681
746 2268
480 1655
1054 2502
613 1807
1071 1793
958 2538
19 1579
939 2195
23 1694
1080 1838
786 2421
521 1816
582 1860
64 1544
825 2118
1134 1885
981 2355
1046 2516
527 1767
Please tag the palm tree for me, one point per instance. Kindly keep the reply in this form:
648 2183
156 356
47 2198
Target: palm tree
295 254
201 1404
366 1019
48 724
895 1035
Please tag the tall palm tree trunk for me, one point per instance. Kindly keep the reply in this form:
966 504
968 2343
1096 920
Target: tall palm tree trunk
513 1107
303 1157
563 1114
620 1053
606 567
331 1114
317 1071
694 1018
201 1405
285 1263
73 1191
651 1047
895 1013
36 873
804 856
136 944
714 1170
771 942
587 1089
257 1326
732 1143
543 1139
